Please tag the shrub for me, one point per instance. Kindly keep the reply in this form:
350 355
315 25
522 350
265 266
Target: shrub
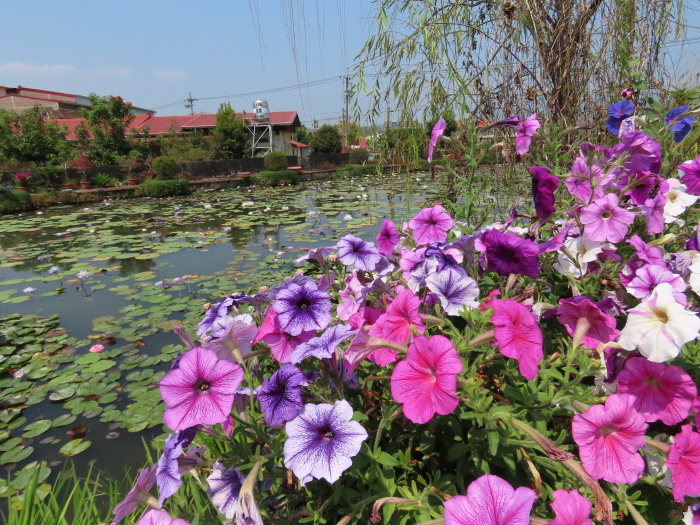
326 140
275 178
356 170
358 156
166 188
276 161
104 181
165 167
14 201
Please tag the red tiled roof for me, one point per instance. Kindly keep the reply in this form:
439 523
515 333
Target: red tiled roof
298 144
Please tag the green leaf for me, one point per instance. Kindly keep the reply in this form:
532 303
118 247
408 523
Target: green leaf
16 455
74 447
37 428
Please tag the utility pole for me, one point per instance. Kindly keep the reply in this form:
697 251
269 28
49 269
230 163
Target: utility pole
189 103
346 112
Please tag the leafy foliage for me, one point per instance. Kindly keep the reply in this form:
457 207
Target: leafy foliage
14 201
275 161
103 134
28 137
167 188
275 178
358 155
165 167
326 140
231 135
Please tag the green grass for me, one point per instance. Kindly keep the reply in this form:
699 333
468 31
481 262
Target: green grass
166 188
275 178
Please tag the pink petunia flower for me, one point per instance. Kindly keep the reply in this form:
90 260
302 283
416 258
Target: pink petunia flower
280 342
653 210
426 382
604 220
608 437
650 276
571 508
585 322
664 392
388 238
526 130
395 325
438 130
431 225
684 463
490 500
517 335
160 517
200 391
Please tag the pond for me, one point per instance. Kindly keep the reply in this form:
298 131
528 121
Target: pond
115 277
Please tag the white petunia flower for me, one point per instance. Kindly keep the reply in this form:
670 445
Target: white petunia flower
659 326
677 201
583 250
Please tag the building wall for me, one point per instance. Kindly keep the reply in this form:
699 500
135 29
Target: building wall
20 104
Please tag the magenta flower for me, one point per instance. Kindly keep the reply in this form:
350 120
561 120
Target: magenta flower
653 210
388 238
280 342
401 317
627 93
490 500
684 463
580 314
322 440
426 382
160 517
431 225
517 335
650 276
544 184
605 221
506 254
302 308
200 391
438 130
571 508
691 175
661 392
609 437
526 130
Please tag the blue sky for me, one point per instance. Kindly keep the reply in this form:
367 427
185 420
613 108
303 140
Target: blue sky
154 52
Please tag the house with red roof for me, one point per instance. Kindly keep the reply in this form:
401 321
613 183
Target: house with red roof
59 105
277 134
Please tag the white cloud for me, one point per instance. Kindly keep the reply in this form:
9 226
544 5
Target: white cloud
115 71
33 69
165 74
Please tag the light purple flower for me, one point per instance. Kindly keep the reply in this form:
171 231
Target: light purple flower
238 336
138 495
168 477
354 251
224 488
605 221
280 395
650 276
388 238
431 225
490 500
200 390
438 130
526 130
691 175
160 517
455 290
302 308
322 440
323 347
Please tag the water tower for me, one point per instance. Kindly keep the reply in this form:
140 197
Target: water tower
261 128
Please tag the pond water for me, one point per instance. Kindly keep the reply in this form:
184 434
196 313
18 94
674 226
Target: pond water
97 269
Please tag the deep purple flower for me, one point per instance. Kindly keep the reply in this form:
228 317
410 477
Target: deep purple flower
302 308
431 225
354 251
644 153
691 175
508 254
323 347
438 130
321 441
617 113
138 495
224 488
388 238
679 125
544 184
200 391
526 130
510 122
280 396
455 290
168 477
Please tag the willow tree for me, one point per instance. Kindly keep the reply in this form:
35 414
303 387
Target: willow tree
559 58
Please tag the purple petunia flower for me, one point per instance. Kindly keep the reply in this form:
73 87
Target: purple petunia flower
298 279
526 130
455 290
544 184
322 440
354 251
200 391
224 488
324 346
302 308
617 113
438 130
605 221
138 495
679 125
168 477
691 175
388 238
280 396
510 122
431 225
508 254
160 517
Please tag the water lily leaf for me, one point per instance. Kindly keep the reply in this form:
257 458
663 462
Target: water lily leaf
30 475
100 366
10 444
37 428
74 447
145 256
16 455
63 393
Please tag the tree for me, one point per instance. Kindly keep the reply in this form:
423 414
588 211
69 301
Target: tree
302 135
326 140
106 124
493 58
29 137
230 134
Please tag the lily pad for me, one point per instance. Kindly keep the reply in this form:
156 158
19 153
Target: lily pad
74 447
37 428
16 455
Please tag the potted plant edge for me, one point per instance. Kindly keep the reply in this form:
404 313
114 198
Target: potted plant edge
83 164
